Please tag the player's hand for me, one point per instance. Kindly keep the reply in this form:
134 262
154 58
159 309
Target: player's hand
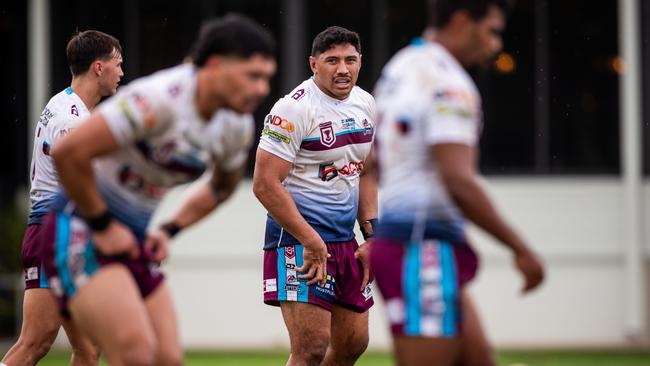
115 240
157 245
531 267
362 254
314 264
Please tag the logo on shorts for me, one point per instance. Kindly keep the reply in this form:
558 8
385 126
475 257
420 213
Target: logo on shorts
270 285
74 110
290 251
367 293
292 279
295 288
327 136
31 273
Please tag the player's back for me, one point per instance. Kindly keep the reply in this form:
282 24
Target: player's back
163 142
63 112
424 97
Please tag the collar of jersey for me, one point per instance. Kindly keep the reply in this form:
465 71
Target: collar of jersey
327 97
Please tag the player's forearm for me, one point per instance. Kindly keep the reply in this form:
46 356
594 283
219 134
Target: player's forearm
474 202
278 202
78 179
196 205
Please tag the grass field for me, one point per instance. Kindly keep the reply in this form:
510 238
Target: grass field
505 358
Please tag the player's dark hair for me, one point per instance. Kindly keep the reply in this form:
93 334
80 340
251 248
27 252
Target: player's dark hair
440 11
333 36
88 46
232 35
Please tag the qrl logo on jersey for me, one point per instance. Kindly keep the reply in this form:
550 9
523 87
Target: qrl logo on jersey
327 136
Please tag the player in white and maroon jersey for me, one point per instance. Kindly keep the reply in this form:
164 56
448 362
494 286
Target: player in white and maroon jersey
427 149
158 132
95 62
309 176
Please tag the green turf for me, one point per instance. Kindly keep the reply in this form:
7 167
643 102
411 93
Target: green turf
505 358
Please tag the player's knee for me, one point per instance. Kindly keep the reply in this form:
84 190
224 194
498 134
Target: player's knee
352 348
170 356
357 347
86 354
311 352
136 348
39 343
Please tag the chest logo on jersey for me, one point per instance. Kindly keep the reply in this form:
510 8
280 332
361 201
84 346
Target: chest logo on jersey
348 124
74 110
367 128
327 135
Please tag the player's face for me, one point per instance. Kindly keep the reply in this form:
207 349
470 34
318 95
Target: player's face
111 74
486 40
336 70
243 83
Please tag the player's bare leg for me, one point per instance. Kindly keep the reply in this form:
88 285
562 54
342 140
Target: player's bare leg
309 332
349 337
41 322
475 348
163 318
109 309
425 351
84 352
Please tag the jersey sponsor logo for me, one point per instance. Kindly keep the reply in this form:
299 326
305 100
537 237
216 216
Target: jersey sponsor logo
298 94
454 111
452 95
275 136
327 172
74 110
352 168
348 124
283 123
174 90
367 128
403 125
133 181
327 136
46 148
65 132
44 119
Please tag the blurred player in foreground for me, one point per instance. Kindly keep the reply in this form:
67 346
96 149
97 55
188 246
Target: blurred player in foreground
158 132
427 152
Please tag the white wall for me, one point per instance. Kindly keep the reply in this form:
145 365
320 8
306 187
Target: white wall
215 272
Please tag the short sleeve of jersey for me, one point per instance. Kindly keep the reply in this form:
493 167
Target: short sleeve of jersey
237 154
62 124
452 117
284 129
135 113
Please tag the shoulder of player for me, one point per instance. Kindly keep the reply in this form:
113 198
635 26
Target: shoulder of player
62 107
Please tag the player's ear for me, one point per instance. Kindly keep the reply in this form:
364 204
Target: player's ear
312 64
97 67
